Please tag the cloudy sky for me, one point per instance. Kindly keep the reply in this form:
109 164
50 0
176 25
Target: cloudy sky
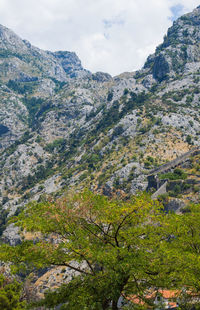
108 35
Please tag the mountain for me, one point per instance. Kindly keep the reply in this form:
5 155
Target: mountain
62 127
25 63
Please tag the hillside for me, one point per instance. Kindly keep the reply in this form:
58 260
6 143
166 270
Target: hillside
62 126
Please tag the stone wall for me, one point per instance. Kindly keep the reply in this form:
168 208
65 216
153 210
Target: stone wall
162 190
174 163
153 179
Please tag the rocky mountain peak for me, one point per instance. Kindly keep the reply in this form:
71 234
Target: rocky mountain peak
24 62
180 48
70 63
10 42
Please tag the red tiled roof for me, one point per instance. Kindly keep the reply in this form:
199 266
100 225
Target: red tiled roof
169 294
136 300
173 304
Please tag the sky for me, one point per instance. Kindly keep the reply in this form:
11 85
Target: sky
112 36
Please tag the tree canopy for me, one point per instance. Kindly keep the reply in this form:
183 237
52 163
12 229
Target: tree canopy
10 293
120 248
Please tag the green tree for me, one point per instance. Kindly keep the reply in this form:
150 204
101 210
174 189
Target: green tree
186 245
183 254
121 244
10 294
189 139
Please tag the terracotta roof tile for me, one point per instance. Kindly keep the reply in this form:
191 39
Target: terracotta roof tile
168 294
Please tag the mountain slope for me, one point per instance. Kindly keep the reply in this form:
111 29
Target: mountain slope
62 126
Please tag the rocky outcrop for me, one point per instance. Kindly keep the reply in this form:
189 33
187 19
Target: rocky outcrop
161 68
180 46
71 64
23 62
101 77
11 235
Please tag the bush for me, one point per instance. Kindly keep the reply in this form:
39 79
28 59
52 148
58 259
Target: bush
189 139
3 219
147 164
126 91
117 131
178 174
57 144
110 96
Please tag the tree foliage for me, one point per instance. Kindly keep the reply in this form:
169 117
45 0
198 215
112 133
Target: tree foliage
10 294
120 248
117 241
185 244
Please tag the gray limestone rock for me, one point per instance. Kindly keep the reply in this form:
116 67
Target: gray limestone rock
11 235
161 68
101 77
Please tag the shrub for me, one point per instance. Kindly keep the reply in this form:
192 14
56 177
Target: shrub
189 139
178 174
110 96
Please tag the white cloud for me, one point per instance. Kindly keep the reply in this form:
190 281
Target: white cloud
108 35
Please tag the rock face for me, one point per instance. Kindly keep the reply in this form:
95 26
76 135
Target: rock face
161 68
62 126
71 64
9 41
180 47
11 235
